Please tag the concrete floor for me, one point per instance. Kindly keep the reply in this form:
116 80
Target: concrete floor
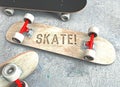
60 71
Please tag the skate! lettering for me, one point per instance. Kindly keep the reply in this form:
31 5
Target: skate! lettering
56 39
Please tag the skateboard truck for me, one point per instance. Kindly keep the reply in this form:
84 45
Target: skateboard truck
90 52
19 37
12 72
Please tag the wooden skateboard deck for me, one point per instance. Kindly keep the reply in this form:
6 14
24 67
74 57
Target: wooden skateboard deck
66 6
27 61
63 41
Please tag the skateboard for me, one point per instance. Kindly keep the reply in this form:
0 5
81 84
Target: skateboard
17 68
63 7
85 46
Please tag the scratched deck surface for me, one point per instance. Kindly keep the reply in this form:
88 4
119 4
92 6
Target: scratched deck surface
59 71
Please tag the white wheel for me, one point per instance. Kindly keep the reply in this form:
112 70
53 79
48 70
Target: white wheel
89 54
29 17
24 84
18 37
9 12
93 30
65 16
11 72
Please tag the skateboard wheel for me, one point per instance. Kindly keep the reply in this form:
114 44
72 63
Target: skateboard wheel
65 16
25 84
93 30
9 12
89 54
29 17
11 72
18 37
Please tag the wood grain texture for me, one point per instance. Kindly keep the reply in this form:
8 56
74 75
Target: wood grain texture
27 61
72 46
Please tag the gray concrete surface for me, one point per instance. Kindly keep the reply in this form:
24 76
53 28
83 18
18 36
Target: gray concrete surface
60 71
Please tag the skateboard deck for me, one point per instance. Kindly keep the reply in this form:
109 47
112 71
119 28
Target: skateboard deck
27 61
63 41
66 6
